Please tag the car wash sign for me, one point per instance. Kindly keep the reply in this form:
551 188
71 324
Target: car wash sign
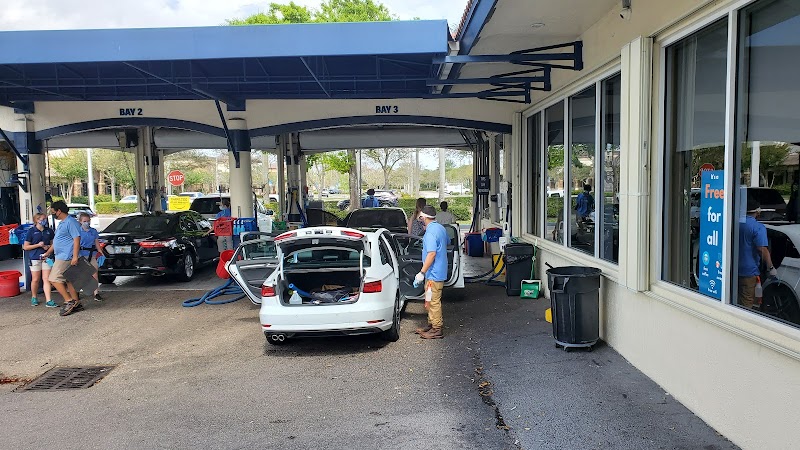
712 195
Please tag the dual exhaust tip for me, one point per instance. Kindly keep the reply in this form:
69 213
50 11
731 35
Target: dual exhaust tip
277 337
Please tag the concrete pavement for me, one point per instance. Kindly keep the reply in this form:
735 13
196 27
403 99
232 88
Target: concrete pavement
204 377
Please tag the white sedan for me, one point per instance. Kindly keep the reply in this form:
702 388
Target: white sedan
329 281
77 208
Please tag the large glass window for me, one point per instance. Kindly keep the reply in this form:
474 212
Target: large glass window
695 137
766 263
535 166
608 190
582 216
554 161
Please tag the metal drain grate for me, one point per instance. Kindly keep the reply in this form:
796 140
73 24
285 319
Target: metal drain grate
62 378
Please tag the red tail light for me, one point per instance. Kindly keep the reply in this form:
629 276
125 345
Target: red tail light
372 287
268 291
286 235
157 244
354 234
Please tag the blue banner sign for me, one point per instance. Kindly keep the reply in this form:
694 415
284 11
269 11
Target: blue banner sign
712 195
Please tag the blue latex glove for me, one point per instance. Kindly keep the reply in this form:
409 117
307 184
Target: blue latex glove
101 260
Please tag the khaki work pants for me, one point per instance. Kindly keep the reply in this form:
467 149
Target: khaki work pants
747 291
435 305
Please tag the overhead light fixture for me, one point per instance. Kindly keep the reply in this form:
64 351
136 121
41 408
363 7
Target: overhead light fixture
625 13
537 25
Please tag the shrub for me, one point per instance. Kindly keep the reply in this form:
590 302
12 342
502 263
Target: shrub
115 208
99 198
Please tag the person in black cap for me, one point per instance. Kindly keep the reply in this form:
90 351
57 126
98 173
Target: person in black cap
370 201
752 250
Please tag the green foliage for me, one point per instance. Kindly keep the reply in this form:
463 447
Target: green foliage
554 206
784 189
353 11
277 14
337 161
72 165
115 208
85 199
330 11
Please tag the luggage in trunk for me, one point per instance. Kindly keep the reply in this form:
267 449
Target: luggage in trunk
323 287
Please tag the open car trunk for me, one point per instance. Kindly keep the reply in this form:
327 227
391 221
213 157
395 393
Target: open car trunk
320 270
323 286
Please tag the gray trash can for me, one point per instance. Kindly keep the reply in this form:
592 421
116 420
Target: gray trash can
575 303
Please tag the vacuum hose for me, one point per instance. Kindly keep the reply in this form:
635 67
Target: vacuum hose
229 288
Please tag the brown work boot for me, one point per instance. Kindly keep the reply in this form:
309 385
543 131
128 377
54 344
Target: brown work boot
433 333
424 329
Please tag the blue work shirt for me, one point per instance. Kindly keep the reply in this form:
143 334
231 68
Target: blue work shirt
584 204
752 236
67 230
88 237
34 236
435 240
224 213
370 202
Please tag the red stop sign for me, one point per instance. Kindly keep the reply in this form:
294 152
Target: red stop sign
175 178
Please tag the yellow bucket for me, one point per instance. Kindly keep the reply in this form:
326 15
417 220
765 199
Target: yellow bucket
499 267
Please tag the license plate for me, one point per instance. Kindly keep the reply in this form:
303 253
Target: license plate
122 249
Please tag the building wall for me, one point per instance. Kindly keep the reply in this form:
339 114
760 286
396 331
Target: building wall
738 371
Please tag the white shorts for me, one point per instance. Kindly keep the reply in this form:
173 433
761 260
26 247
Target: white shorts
36 265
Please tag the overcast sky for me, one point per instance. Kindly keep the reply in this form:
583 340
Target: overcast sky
72 14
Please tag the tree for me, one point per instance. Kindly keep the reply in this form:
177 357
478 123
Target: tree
115 165
71 167
330 11
353 11
387 159
277 14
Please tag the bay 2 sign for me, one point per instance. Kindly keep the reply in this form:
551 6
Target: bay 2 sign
712 196
175 178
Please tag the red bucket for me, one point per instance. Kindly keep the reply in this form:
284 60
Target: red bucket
9 283
224 257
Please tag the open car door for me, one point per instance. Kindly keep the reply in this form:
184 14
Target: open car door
408 250
252 263
454 257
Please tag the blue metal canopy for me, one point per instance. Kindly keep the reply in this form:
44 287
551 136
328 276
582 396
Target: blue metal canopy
230 64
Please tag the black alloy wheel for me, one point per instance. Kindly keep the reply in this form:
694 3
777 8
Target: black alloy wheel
393 334
187 272
779 301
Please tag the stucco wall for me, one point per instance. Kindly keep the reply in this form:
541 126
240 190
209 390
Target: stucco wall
738 371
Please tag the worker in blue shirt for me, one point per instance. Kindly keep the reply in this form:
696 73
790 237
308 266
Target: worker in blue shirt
66 245
224 208
90 247
224 242
38 241
433 272
584 204
753 248
370 201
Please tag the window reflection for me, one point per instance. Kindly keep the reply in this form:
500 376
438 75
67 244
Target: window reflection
582 215
535 182
695 136
608 219
767 264
554 155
